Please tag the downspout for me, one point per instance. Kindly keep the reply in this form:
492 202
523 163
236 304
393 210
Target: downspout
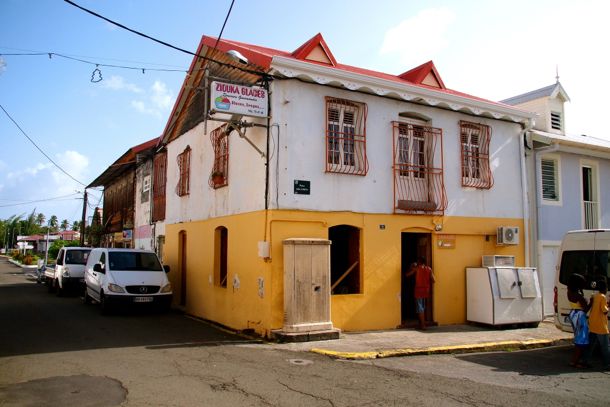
524 189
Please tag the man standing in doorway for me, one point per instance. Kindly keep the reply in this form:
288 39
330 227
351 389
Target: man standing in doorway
424 277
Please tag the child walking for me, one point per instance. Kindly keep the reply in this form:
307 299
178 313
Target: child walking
578 317
598 325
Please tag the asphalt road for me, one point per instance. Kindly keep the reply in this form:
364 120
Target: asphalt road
57 351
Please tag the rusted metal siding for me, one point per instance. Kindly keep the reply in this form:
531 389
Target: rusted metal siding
159 182
119 204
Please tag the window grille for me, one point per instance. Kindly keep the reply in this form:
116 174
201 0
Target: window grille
346 137
475 139
549 179
220 169
556 120
418 169
158 186
184 168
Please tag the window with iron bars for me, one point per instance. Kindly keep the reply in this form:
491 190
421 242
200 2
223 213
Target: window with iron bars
411 150
220 170
418 169
346 137
474 140
184 171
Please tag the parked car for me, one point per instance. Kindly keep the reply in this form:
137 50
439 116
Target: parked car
126 277
69 271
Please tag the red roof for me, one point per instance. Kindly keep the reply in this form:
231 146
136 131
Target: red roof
263 56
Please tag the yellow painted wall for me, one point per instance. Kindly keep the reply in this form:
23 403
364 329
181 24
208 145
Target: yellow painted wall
377 307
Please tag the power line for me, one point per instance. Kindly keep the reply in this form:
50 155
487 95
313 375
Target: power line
89 57
57 198
97 64
39 149
223 24
264 74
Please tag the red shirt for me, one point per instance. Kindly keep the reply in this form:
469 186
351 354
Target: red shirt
423 278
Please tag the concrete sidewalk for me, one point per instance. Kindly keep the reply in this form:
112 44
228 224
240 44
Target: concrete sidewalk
443 339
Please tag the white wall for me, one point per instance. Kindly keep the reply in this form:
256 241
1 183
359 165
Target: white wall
299 111
143 207
246 179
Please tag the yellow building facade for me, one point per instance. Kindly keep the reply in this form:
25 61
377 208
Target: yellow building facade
254 293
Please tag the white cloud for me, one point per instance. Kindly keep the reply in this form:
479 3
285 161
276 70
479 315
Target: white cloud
419 38
159 101
142 108
161 97
26 173
118 83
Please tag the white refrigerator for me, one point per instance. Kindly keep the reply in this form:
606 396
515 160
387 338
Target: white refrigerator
503 295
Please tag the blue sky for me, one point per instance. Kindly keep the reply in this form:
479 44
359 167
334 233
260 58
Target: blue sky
491 49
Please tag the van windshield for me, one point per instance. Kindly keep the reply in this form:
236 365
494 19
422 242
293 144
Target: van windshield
77 256
134 261
591 264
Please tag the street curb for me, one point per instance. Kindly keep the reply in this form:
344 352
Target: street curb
435 350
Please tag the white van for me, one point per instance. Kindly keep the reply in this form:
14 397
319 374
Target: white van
126 277
585 252
69 271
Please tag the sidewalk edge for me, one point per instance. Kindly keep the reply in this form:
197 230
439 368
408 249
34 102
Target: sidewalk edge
433 350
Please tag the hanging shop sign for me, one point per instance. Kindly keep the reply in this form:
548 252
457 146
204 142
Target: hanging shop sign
238 99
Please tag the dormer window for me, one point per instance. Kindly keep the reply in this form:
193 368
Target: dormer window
556 122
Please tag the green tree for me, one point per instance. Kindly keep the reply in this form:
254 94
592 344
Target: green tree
64 225
29 226
58 244
76 225
53 223
40 219
95 231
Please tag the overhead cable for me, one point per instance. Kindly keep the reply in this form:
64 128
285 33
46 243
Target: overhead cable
97 64
57 198
39 149
261 73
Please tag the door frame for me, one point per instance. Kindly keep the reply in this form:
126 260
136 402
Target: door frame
413 245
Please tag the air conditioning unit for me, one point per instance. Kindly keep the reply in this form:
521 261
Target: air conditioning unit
507 235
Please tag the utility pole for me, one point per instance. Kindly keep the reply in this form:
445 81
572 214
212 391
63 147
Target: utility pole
46 252
83 219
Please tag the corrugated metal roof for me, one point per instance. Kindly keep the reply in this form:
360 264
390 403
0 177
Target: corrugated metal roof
536 94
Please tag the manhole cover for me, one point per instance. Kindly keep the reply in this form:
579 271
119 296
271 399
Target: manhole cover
300 362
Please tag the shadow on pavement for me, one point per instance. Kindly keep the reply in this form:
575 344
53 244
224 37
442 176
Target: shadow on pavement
538 362
35 321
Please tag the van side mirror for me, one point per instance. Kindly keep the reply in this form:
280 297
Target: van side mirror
97 267
166 268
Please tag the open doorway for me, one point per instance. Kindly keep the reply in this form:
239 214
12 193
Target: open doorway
182 254
413 245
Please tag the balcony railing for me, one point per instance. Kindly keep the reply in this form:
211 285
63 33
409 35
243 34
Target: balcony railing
591 214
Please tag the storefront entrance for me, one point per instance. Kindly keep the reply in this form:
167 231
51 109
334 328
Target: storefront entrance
413 245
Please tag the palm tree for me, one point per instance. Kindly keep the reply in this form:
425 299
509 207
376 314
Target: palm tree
53 222
40 219
76 225
64 225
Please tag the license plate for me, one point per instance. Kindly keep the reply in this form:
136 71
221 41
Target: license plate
143 299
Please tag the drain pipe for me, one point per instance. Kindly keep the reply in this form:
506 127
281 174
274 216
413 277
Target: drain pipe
524 189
